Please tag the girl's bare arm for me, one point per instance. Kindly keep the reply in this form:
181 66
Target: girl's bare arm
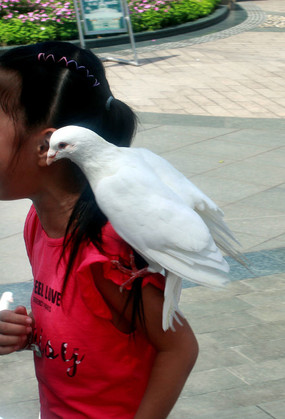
176 355
176 351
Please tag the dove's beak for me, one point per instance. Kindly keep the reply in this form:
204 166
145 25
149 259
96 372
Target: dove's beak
51 156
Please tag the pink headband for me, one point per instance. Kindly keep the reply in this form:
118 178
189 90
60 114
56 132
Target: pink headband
43 57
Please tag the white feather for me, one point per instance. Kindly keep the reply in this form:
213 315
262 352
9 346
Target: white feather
211 214
154 208
6 299
172 291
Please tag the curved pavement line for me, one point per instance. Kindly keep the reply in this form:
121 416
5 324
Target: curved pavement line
255 17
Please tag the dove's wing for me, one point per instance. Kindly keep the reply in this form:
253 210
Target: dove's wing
158 224
182 186
211 214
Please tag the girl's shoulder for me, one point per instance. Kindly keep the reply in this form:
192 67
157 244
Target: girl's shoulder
105 271
112 243
31 218
115 260
120 267
31 227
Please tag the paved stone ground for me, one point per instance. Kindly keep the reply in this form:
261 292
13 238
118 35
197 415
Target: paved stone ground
237 72
216 111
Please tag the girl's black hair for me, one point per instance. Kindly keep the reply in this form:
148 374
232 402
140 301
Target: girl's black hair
59 95
55 94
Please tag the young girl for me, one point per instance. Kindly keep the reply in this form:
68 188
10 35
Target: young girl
99 353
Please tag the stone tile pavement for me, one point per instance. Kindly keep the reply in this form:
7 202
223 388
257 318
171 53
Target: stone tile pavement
238 160
240 76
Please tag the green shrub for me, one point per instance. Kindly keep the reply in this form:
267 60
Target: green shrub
157 14
30 21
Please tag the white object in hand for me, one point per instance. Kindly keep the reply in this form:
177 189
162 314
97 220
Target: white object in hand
6 299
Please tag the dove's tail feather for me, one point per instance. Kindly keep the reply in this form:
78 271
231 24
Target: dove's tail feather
172 293
195 272
221 234
210 257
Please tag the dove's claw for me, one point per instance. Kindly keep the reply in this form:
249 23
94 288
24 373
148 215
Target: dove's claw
132 271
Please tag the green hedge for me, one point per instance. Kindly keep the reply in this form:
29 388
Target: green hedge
157 14
14 32
30 21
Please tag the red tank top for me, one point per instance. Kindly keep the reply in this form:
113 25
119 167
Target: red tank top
87 368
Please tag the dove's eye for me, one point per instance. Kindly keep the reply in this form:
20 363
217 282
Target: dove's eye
62 146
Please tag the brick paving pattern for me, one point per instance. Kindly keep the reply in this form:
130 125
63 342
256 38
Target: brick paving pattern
242 77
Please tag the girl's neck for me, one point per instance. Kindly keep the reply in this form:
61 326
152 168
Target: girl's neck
54 213
61 186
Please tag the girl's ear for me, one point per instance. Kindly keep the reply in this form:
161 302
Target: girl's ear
43 145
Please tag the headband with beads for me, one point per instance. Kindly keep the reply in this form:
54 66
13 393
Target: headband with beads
43 57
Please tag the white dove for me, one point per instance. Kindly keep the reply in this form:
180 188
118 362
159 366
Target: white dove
154 208
6 299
